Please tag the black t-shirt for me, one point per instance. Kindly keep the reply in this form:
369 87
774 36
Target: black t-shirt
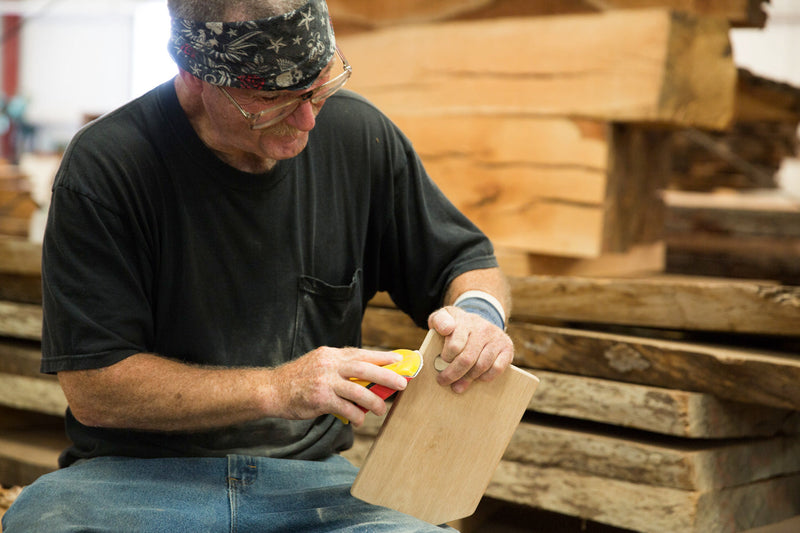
155 245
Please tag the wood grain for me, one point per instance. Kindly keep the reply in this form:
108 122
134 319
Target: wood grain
657 409
437 450
632 65
673 302
748 376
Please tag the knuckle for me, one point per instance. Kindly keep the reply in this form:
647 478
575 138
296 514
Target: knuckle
483 365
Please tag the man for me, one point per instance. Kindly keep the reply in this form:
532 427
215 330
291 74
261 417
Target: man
210 250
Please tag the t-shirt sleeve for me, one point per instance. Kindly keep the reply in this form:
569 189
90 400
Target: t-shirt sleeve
94 280
431 241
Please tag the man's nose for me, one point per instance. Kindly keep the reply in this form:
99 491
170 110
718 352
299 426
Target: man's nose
304 117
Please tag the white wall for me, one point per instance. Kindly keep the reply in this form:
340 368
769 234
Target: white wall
77 59
84 68
773 53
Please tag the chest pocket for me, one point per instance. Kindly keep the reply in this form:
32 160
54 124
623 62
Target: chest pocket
327 315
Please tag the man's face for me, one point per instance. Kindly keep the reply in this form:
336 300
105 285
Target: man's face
283 140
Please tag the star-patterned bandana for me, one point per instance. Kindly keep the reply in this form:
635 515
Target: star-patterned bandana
285 52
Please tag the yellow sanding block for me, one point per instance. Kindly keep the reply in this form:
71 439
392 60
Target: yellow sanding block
437 450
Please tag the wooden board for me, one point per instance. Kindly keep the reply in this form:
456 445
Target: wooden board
352 15
737 214
20 320
34 394
661 410
20 288
631 65
26 454
741 375
21 358
20 256
639 260
675 302
746 235
537 184
437 450
30 444
549 185
644 508
701 465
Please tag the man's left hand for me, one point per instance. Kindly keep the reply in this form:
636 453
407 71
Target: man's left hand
474 348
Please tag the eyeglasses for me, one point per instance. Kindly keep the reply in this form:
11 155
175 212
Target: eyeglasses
274 114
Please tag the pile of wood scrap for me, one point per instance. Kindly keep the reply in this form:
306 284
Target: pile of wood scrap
665 404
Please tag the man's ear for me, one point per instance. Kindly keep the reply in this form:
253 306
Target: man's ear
192 83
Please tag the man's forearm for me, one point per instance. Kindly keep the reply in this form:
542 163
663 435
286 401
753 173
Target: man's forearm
150 392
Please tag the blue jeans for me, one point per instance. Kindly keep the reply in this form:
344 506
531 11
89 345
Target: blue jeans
195 495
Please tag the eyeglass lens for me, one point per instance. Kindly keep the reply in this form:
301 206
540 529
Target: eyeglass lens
269 117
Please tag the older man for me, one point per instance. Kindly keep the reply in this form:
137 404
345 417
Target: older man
210 250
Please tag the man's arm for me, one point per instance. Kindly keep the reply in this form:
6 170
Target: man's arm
150 392
475 348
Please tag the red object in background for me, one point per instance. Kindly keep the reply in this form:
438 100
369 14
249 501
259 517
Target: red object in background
10 47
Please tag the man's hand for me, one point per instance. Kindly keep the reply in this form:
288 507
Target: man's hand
475 348
319 383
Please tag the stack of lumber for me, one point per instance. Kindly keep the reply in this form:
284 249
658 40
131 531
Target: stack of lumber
737 234
556 147
726 213
557 134
31 404
559 148
665 404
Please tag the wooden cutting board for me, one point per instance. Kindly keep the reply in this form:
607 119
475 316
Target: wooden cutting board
437 450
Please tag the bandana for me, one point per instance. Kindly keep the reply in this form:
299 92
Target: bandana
285 52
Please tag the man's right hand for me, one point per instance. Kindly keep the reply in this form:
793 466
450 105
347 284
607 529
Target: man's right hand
319 383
